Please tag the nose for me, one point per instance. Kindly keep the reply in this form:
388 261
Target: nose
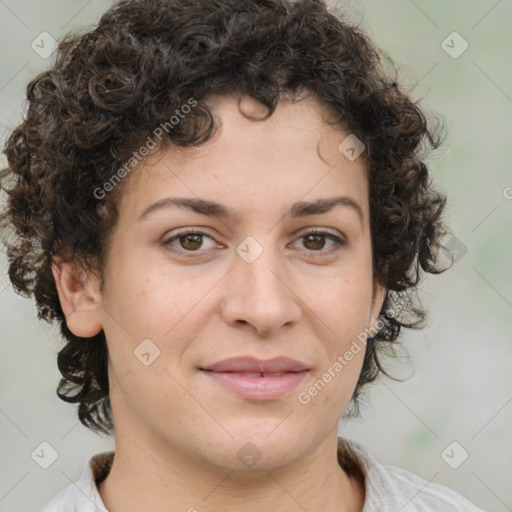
260 295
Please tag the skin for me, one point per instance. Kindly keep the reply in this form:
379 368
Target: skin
178 432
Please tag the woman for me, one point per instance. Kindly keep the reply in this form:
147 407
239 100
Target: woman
221 203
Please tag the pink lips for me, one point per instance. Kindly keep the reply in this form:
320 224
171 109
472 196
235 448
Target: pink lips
255 379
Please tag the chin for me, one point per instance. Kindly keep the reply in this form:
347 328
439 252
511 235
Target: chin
261 445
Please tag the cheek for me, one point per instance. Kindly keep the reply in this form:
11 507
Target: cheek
343 309
156 306
143 293
343 302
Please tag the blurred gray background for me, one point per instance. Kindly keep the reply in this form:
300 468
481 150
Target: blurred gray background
458 402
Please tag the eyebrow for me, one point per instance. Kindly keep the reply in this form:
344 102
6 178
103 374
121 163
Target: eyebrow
213 209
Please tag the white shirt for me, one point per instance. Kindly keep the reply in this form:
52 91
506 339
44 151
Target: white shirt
387 488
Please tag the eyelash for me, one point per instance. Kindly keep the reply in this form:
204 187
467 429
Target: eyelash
339 242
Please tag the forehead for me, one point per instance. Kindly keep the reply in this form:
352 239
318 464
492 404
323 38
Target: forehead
291 156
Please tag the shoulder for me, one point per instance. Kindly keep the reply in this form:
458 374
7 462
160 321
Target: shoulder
392 488
82 495
64 500
427 493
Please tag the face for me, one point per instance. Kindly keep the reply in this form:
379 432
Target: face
187 290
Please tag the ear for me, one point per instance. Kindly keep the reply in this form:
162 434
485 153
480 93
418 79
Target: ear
379 294
79 298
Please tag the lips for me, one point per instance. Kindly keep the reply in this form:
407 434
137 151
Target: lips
254 379
251 365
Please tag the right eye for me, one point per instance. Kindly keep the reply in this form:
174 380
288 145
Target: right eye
189 240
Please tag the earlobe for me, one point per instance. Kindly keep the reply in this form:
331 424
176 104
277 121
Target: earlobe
378 300
79 302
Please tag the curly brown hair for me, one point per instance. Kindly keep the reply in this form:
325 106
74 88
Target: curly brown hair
109 88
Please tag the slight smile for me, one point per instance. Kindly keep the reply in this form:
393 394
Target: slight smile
255 379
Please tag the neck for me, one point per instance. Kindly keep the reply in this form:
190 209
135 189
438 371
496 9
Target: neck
142 479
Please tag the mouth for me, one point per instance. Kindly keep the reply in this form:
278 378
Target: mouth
254 379
257 374
250 364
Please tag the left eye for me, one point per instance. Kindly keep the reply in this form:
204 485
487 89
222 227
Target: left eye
191 241
316 238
